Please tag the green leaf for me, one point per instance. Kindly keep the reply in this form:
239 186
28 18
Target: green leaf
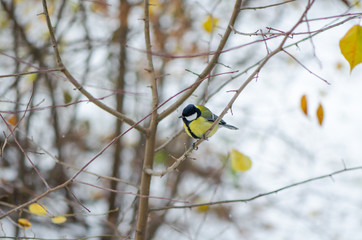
161 157
67 97
351 46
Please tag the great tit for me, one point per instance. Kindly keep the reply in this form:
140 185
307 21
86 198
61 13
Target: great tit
197 119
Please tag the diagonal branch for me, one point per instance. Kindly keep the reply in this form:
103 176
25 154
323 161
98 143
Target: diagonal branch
231 102
77 85
23 151
209 67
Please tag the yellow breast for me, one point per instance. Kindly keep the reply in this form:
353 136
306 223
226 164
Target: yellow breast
198 127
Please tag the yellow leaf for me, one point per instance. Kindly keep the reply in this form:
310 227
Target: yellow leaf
59 219
37 209
239 161
75 7
50 10
201 208
303 104
4 22
356 4
24 223
45 36
320 114
210 24
31 77
154 6
351 46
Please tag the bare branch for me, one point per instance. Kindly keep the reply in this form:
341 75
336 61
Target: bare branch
31 72
267 6
209 67
329 175
130 193
229 105
25 154
301 64
77 85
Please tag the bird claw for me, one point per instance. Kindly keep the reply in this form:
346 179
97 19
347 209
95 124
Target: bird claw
194 147
205 138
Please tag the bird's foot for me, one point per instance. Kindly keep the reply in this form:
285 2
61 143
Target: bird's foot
205 137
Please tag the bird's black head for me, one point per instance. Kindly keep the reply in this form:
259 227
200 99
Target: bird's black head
190 113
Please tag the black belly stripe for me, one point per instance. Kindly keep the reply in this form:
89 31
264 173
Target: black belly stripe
192 134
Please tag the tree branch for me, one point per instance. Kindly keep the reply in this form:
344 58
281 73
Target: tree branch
236 95
141 228
329 175
77 85
209 67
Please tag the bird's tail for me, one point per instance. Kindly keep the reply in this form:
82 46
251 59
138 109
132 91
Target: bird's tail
230 127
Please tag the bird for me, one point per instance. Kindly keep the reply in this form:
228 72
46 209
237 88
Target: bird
197 119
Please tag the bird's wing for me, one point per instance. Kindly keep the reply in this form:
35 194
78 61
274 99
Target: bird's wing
206 113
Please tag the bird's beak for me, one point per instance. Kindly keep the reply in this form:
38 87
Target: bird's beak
181 116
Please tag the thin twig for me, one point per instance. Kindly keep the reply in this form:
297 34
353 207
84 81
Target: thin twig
31 72
55 106
169 140
23 151
316 32
76 168
130 193
329 175
107 236
266 6
301 64
76 199
209 67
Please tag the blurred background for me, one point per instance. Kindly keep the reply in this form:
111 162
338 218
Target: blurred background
102 44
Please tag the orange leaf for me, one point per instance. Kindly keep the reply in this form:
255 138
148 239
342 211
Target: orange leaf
303 104
13 120
351 46
339 66
320 114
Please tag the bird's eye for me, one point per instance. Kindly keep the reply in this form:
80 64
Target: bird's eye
191 117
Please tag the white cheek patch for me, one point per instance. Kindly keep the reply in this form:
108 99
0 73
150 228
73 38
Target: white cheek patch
191 117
